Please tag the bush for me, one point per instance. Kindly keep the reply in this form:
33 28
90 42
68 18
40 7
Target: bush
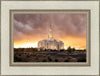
16 59
28 56
49 59
56 60
66 60
82 60
44 60
62 50
19 54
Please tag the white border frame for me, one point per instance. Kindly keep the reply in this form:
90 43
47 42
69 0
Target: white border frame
8 70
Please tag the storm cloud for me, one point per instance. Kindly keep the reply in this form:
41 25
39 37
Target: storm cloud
31 26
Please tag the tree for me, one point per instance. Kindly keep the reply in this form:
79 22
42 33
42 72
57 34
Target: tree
73 49
69 50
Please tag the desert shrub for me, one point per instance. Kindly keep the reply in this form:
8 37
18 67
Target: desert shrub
24 60
19 54
28 56
16 59
44 60
82 60
66 60
49 59
62 50
56 60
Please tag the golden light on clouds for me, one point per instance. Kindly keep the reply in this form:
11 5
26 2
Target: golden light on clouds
27 45
74 42
31 28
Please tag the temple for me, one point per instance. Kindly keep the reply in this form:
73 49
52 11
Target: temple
50 43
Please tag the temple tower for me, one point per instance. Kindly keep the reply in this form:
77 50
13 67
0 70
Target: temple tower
50 35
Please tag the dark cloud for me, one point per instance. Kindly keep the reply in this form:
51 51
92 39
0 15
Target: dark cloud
36 25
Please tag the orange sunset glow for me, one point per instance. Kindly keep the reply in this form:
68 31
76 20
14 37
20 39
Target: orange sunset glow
31 28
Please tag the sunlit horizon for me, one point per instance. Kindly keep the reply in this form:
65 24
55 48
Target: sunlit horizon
35 45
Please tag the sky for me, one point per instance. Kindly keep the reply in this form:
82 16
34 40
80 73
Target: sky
69 28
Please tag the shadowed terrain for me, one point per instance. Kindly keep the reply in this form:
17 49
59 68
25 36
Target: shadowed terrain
35 55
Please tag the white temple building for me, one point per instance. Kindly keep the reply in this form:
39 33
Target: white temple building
51 43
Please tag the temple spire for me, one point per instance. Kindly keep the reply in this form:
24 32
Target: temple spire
50 35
